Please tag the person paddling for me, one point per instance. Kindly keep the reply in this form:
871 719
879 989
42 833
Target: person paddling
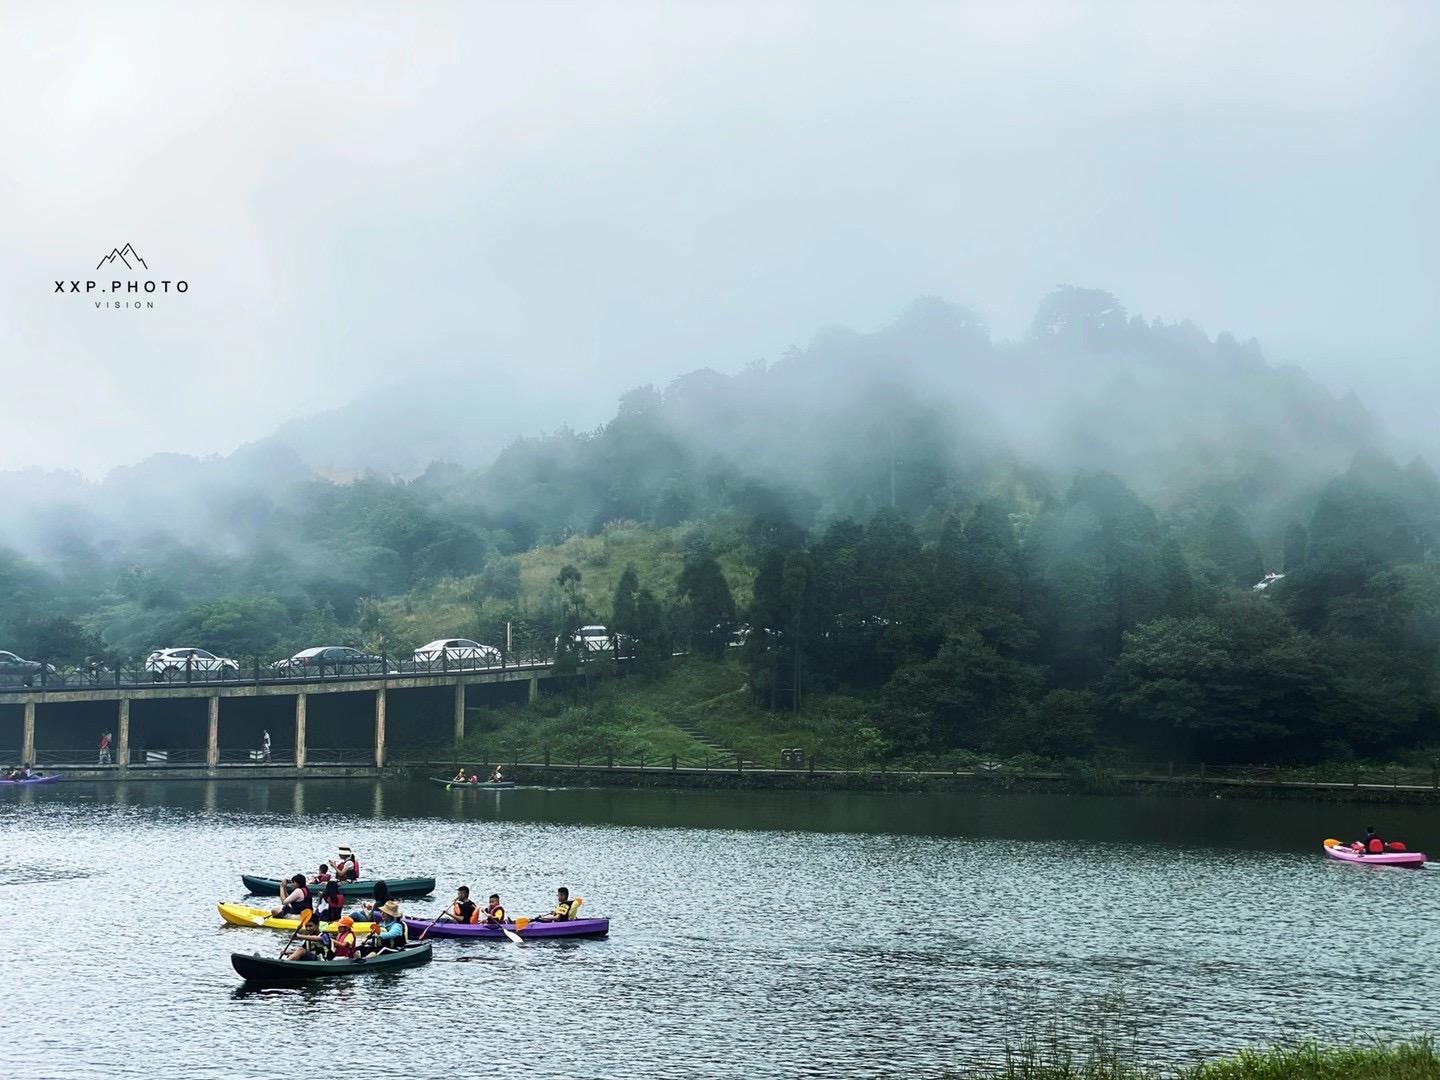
496 777
494 913
389 932
463 909
459 775
296 900
562 909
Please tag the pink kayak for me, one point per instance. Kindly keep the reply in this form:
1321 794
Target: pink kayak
1391 858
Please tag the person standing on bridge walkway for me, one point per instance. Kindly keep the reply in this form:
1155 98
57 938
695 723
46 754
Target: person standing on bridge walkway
265 747
105 748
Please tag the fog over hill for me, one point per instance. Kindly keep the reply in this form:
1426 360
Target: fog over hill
852 421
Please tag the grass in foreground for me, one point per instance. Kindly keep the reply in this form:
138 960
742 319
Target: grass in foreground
1404 1061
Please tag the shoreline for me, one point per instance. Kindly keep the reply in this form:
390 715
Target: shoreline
754 779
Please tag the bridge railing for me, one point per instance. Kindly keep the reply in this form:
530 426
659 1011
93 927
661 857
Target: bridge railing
132 674
481 762
343 755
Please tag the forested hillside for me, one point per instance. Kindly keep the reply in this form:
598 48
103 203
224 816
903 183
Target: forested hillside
1047 545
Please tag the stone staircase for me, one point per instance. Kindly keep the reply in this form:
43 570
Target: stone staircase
722 757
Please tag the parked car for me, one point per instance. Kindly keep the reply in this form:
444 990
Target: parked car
323 660
446 653
172 664
597 639
15 669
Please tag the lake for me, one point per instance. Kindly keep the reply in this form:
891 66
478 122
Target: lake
753 934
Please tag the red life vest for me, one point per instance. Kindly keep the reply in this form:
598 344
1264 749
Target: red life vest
328 912
1375 846
295 907
345 943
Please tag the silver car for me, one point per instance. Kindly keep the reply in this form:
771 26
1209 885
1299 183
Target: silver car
17 670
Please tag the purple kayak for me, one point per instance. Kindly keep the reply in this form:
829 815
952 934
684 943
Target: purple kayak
572 928
33 780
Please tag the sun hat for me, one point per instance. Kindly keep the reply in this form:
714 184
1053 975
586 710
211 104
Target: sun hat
345 850
391 908
346 920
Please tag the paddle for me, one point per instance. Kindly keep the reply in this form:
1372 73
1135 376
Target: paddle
304 918
437 918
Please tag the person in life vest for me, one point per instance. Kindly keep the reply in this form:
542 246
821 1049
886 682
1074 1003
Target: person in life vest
388 933
331 905
463 909
1372 844
459 775
494 913
561 911
342 945
345 943
496 777
347 867
295 900
322 875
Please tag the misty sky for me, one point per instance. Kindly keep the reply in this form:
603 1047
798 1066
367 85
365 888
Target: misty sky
555 202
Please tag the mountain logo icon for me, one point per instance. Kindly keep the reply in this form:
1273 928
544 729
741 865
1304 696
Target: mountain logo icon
124 255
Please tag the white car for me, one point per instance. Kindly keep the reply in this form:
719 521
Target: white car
597 639
449 653
175 663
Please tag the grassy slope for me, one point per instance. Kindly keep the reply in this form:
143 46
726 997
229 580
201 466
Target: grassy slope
457 606
632 716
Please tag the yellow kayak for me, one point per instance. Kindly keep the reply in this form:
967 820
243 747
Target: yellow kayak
240 915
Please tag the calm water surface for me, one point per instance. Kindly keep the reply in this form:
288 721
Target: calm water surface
752 934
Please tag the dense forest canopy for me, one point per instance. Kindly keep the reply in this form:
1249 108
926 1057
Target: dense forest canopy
1048 545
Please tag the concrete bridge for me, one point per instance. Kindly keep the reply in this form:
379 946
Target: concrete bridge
61 726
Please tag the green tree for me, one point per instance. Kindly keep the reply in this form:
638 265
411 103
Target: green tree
1242 684
624 611
708 607
235 626
1227 544
56 639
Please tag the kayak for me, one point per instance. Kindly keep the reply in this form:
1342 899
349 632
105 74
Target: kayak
447 784
573 928
399 887
267 970
33 780
1390 858
241 915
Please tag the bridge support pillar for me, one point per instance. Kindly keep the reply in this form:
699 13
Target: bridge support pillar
212 738
534 687
27 739
459 711
380 727
122 735
300 731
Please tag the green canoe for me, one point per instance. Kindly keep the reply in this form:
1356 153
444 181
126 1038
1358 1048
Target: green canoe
267 970
399 886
